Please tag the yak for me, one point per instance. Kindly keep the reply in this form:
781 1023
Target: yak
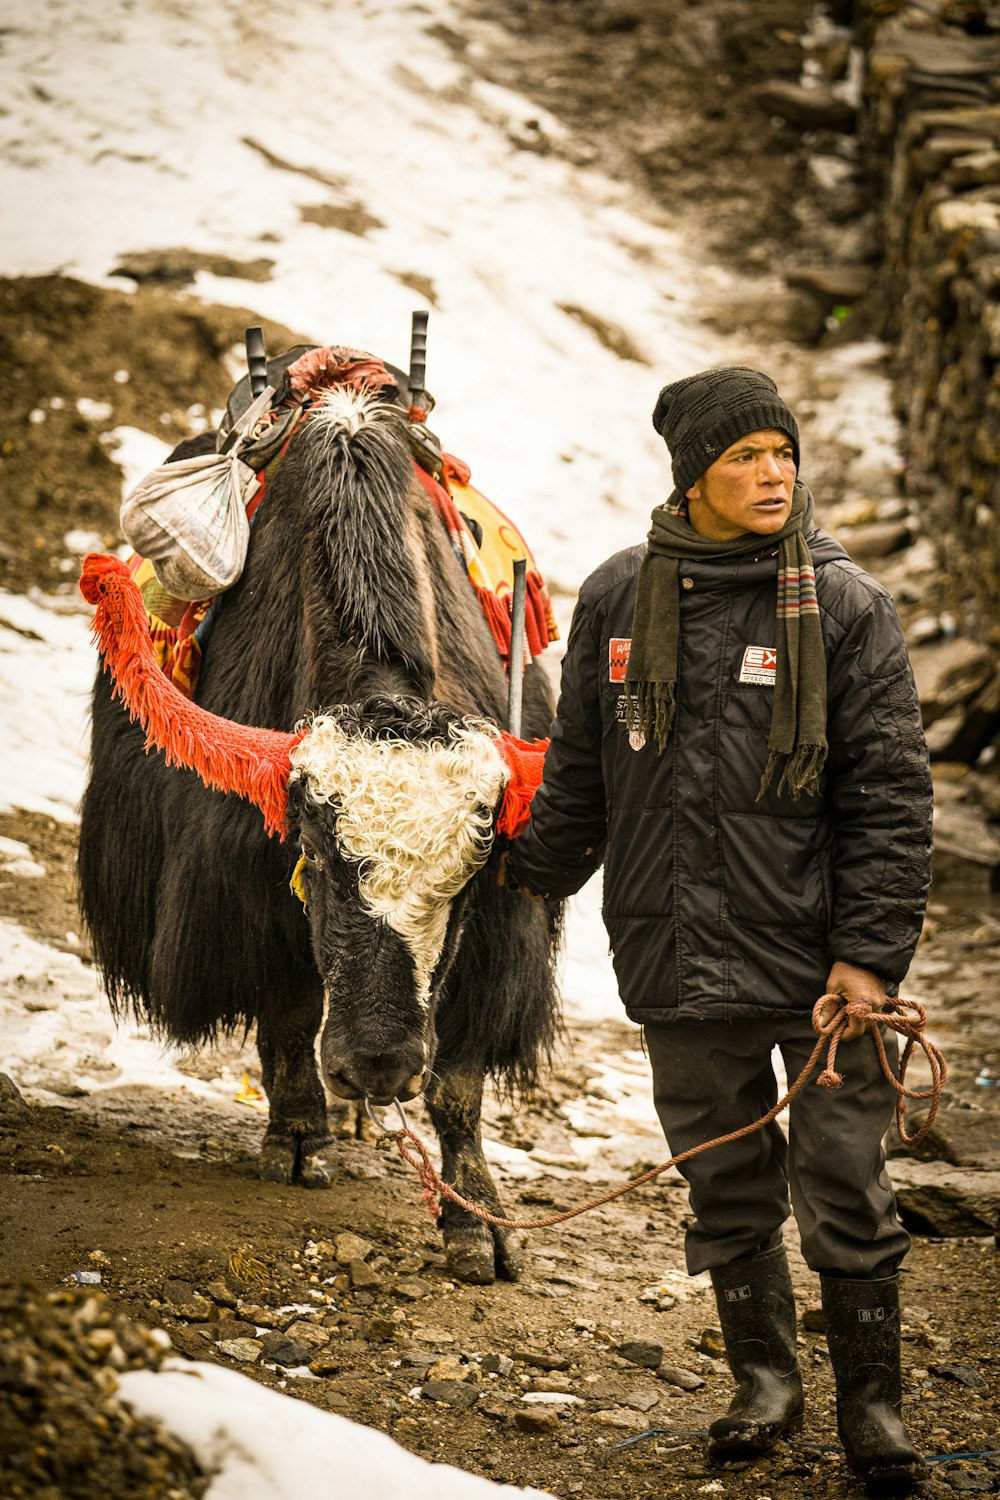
354 643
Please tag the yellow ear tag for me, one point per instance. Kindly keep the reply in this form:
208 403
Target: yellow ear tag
297 882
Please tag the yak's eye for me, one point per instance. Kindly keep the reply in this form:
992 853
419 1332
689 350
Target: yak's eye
311 854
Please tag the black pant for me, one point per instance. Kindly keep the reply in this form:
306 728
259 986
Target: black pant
711 1077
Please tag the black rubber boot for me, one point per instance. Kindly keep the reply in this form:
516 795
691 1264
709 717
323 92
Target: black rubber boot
862 1331
757 1314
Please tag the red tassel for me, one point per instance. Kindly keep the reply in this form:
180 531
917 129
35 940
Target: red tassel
526 760
253 763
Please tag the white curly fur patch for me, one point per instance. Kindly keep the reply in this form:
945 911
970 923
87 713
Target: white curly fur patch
345 408
417 818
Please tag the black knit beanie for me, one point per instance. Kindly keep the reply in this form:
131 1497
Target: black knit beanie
701 416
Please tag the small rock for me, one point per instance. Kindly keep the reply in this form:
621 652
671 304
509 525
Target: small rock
286 1351
362 1278
409 1264
348 1247
685 1380
425 1335
550 1384
325 1365
947 1200
378 1329
496 1364
551 1398
312 1335
710 1343
881 539
261 1317
220 1294
638 1352
247 1351
962 1374
12 1102
457 1393
536 1421
494 1409
963 1137
233 1328
175 1291
950 672
814 1320
833 284
412 1288
620 1417
198 1310
553 1159
816 108
643 1399
541 1361
450 1368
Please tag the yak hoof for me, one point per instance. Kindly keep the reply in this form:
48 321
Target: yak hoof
277 1162
285 1161
509 1252
313 1171
478 1256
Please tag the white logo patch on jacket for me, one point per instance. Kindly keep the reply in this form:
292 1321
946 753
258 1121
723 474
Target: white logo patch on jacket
759 665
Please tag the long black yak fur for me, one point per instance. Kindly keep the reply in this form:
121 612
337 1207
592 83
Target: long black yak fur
186 898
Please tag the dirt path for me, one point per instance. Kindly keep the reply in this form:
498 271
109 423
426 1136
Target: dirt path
159 1197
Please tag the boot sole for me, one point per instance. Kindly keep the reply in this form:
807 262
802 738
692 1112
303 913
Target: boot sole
724 1450
893 1479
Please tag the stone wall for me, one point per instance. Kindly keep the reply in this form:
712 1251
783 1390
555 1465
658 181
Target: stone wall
930 126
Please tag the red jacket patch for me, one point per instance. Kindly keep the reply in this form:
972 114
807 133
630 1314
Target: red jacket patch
618 650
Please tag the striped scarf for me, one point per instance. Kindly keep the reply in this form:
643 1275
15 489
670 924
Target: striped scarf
797 740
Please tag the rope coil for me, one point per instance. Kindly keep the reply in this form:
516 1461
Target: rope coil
906 1017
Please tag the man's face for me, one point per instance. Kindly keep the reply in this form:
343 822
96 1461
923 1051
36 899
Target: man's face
747 488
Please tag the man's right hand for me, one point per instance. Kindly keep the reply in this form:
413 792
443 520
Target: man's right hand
502 879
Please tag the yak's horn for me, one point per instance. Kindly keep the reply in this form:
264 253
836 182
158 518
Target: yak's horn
253 763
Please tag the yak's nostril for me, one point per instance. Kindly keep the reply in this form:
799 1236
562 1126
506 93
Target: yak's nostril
381 1075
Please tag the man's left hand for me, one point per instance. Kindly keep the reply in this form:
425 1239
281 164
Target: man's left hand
854 985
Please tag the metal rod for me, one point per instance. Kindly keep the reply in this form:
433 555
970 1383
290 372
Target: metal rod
256 359
515 668
418 356
374 1118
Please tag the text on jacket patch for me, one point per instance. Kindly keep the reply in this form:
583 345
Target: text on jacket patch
759 665
618 650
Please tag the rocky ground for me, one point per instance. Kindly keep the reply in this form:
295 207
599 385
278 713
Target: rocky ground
343 1298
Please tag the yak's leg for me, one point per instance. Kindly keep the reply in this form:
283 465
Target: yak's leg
476 1252
298 1129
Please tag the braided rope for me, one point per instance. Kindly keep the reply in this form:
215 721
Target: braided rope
906 1017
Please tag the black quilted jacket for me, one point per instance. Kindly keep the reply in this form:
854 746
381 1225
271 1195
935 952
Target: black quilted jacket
718 905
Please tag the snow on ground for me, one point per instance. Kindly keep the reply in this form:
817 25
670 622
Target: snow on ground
139 125
46 673
262 1443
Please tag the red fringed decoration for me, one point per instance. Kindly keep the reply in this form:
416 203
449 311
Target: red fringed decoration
253 763
495 593
526 759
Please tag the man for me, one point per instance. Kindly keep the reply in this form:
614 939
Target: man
738 739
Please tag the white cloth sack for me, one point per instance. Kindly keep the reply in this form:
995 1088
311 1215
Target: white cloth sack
189 518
